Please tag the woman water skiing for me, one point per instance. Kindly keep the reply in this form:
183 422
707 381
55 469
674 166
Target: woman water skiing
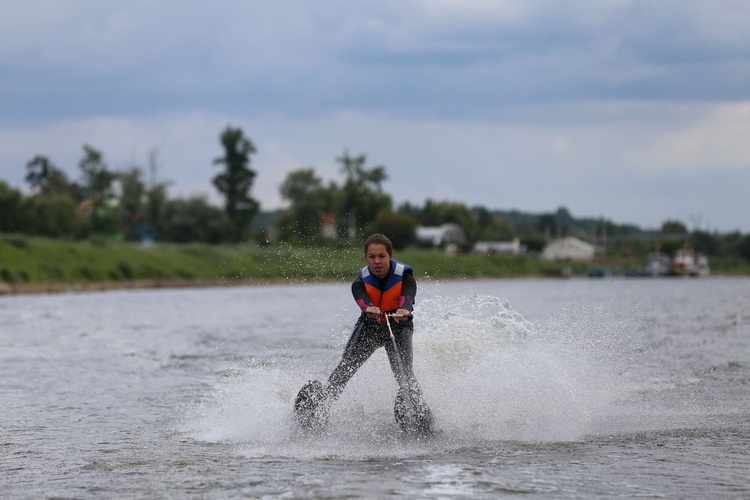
384 290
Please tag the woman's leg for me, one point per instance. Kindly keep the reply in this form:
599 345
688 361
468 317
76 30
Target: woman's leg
412 414
362 343
403 336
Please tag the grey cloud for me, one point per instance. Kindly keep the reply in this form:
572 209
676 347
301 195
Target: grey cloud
302 57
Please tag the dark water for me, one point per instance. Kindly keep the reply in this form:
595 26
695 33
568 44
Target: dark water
540 388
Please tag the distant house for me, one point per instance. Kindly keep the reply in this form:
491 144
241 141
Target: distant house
328 227
569 248
442 235
507 247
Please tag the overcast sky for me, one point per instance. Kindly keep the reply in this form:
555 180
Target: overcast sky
637 111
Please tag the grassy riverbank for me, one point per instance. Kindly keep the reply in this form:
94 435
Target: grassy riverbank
36 264
41 264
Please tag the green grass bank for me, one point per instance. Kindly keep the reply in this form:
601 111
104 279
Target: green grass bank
36 264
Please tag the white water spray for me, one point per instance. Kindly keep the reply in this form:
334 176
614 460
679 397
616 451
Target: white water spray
487 373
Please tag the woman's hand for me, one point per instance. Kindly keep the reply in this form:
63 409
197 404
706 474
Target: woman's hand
372 312
401 315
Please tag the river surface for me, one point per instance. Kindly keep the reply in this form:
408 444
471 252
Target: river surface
634 388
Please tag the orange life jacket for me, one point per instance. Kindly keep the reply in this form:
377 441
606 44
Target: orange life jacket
389 298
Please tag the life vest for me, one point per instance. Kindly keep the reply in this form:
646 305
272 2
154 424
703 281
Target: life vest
389 299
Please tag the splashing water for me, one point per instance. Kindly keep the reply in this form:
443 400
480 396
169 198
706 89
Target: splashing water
495 376
488 374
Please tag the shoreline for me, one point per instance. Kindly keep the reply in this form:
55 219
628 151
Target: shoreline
7 289
101 286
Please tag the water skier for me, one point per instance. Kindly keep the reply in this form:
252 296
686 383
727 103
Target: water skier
384 290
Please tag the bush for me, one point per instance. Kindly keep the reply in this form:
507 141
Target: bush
400 228
6 275
16 240
193 219
53 215
125 270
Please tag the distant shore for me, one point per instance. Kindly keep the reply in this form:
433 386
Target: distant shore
59 288
54 288
37 265
42 288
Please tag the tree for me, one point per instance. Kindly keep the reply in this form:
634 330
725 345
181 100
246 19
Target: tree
39 169
604 231
193 219
11 214
707 243
53 215
97 189
58 183
436 213
730 243
491 227
548 225
399 227
44 177
743 248
564 220
673 227
97 178
236 180
156 199
534 242
304 191
407 208
132 197
362 192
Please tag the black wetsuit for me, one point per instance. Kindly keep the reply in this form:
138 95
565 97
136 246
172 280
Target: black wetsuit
369 335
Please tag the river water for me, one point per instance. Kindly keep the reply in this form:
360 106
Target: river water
540 388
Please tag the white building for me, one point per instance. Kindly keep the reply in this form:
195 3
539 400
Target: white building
505 247
569 248
442 235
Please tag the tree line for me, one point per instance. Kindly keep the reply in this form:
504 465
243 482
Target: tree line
122 205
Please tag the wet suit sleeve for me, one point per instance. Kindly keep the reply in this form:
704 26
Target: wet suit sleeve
360 294
408 291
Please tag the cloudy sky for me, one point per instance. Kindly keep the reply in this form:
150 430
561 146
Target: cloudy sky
637 111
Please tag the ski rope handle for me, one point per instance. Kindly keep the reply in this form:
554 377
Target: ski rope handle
386 315
401 374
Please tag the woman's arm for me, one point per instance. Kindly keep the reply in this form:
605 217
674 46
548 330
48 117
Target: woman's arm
408 291
360 294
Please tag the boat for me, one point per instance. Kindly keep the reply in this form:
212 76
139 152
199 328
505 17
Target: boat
658 264
687 263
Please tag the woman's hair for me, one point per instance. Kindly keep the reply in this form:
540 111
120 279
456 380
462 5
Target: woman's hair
379 239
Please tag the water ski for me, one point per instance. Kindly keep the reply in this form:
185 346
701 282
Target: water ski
310 410
413 416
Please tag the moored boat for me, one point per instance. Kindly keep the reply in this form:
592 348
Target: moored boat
687 263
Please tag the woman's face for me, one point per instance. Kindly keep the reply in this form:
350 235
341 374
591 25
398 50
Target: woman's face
378 259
